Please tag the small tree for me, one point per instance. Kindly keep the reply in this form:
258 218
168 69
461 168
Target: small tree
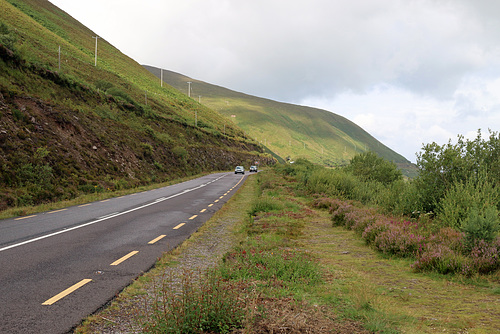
442 166
480 226
369 166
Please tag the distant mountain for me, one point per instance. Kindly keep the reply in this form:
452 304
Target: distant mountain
71 123
287 130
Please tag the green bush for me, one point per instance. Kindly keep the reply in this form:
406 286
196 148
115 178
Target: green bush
103 85
120 95
180 152
369 166
339 183
478 192
480 226
442 166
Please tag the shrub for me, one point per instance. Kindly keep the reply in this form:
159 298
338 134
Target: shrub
103 85
372 231
339 215
442 166
486 256
442 259
479 226
119 94
400 239
207 305
147 150
331 204
180 152
456 204
369 166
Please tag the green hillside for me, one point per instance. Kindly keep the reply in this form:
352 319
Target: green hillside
70 126
288 130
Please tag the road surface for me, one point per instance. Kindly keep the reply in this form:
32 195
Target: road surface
58 267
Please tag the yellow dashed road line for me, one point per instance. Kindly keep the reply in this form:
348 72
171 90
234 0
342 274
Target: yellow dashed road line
57 211
66 292
120 260
156 239
21 218
179 226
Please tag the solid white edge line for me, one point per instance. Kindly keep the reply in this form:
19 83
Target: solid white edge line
99 220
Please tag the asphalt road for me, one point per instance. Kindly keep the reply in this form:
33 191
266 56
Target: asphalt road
58 267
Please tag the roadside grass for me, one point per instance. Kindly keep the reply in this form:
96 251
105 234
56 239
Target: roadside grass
416 302
294 272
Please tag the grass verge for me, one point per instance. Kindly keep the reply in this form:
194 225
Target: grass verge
290 272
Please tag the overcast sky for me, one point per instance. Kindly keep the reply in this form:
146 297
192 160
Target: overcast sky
408 71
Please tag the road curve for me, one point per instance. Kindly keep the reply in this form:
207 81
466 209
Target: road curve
58 267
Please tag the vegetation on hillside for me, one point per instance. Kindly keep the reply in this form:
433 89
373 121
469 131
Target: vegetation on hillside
288 130
69 127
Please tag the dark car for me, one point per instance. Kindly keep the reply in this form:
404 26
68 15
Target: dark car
239 169
253 169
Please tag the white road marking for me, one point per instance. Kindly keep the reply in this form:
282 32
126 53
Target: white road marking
98 220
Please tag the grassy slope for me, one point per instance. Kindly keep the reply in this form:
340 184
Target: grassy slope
286 129
88 137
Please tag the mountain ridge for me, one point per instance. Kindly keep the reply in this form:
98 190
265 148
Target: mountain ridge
287 129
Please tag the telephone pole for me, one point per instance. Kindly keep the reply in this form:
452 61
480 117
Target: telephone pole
161 77
96 38
189 88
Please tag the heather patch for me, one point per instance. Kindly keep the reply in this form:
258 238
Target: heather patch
446 251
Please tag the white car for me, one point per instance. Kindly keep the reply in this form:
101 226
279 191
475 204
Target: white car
239 169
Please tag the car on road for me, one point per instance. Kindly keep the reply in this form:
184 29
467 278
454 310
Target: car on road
239 169
253 169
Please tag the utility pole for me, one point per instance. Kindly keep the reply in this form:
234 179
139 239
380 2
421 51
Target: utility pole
161 79
189 88
96 38
59 57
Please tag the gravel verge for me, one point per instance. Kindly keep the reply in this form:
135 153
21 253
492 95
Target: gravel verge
203 250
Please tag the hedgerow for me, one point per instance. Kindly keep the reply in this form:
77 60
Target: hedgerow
448 218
